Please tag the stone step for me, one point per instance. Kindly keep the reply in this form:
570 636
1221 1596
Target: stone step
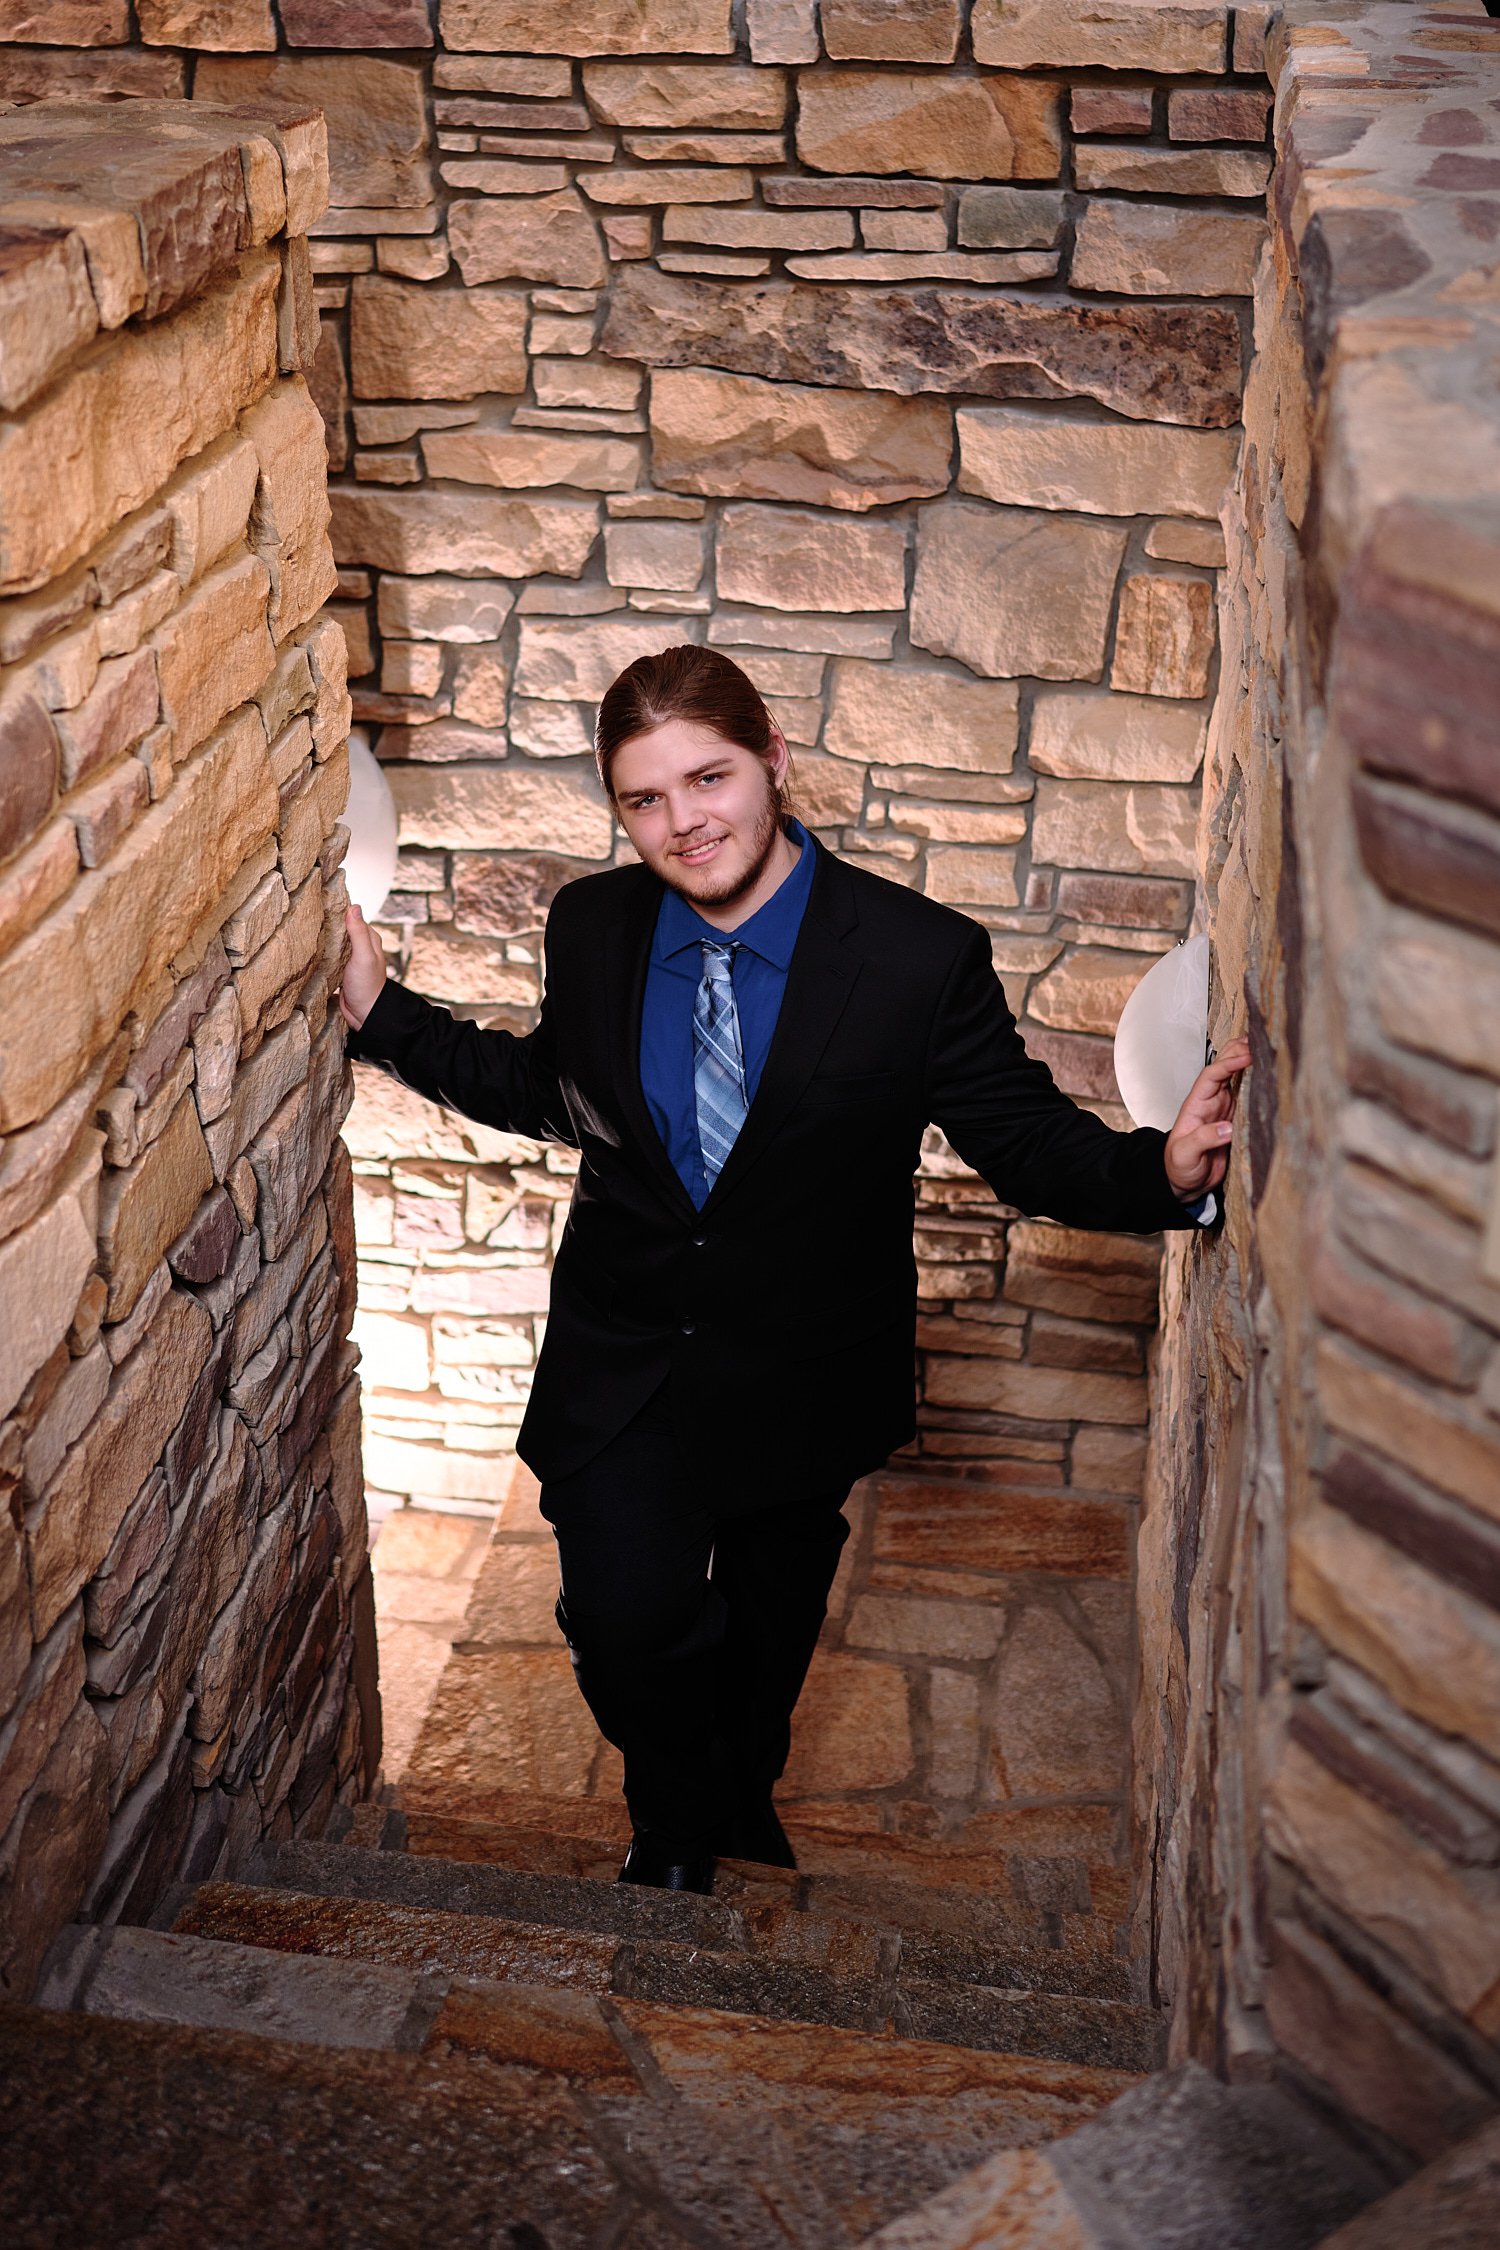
1002 2005
1179 2162
763 2130
914 1882
384 1907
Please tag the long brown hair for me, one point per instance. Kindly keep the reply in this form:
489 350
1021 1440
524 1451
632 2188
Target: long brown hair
699 684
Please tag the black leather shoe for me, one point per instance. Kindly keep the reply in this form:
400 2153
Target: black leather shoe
646 1862
755 1833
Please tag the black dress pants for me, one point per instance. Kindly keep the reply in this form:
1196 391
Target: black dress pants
690 1634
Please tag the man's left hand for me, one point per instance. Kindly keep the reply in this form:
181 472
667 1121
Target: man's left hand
1197 1153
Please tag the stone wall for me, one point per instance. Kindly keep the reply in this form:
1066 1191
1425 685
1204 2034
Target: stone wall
895 348
186 1660
1320 1561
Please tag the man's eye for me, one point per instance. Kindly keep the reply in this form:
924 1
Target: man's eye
710 777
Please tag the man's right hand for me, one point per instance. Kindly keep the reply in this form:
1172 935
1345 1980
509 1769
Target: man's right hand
365 972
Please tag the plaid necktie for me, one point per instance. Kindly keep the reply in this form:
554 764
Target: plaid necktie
718 1059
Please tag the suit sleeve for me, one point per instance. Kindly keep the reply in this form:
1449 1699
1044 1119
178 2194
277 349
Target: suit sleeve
1005 1115
495 1077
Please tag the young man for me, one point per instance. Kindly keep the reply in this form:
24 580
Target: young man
744 1038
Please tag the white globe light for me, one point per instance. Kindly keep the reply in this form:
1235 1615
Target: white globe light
370 817
1162 1040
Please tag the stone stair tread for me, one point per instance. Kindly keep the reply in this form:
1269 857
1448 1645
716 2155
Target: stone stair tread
840 2129
853 1986
906 1881
795 1925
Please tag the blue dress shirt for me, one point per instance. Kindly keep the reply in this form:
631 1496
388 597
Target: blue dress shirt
673 975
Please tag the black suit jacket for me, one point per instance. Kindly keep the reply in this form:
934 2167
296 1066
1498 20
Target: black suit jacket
784 1311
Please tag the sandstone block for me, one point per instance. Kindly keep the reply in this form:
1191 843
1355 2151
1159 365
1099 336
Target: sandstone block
550 730
683 94
1165 363
442 609
1006 218
1436 990
487 806
29 766
122 705
1087 990
929 265
854 194
574 662
1028 458
1099 167
213 652
267 984
1200 543
589 27
36 879
1147 249
46 304
586 382
147 1207
903 230
376 111
667 183
1111 109
786 560
291 1155
1042 1394
65 989
1016 592
1093 1276
441 531
514 458
826 793
833 636
909 714
1165 35
289 523
973 878
374 23
734 435
1058 1730
973 824
103 813
758 230
1107 737
43 1267
782 31
410 342
1145 828
490 176
175 383
75 1523
667 555
226 26
1164 642
507 894
1218 113
876 31
530 238
854 1728
208 504
481 686
947 128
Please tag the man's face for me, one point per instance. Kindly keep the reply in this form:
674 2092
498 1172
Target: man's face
700 811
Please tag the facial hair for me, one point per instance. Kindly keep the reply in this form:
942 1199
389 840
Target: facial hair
761 845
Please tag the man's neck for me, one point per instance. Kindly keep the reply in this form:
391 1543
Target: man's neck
780 860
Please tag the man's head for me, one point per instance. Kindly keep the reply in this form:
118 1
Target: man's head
697 770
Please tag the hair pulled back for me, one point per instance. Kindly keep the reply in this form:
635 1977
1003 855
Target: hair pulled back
701 685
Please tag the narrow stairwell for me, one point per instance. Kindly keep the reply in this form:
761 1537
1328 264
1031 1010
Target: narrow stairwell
448 2023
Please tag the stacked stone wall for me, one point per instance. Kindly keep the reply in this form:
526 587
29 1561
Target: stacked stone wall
894 348
1320 1560
186 1661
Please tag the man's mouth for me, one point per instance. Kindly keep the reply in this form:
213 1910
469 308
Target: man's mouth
696 855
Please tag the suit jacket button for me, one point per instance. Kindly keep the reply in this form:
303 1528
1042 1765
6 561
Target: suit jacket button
688 1327
700 1241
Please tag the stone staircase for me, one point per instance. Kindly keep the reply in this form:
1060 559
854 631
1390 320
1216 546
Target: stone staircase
452 2025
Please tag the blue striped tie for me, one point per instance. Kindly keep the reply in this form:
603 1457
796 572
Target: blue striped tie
718 1059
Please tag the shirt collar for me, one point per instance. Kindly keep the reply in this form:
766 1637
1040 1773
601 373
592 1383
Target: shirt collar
771 930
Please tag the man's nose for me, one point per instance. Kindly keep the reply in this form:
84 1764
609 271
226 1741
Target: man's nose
686 815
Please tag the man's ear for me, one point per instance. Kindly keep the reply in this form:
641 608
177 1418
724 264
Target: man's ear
781 756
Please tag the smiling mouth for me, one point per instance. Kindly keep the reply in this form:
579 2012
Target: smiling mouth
698 853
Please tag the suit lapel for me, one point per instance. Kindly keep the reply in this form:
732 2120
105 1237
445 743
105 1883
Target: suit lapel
818 985
628 954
